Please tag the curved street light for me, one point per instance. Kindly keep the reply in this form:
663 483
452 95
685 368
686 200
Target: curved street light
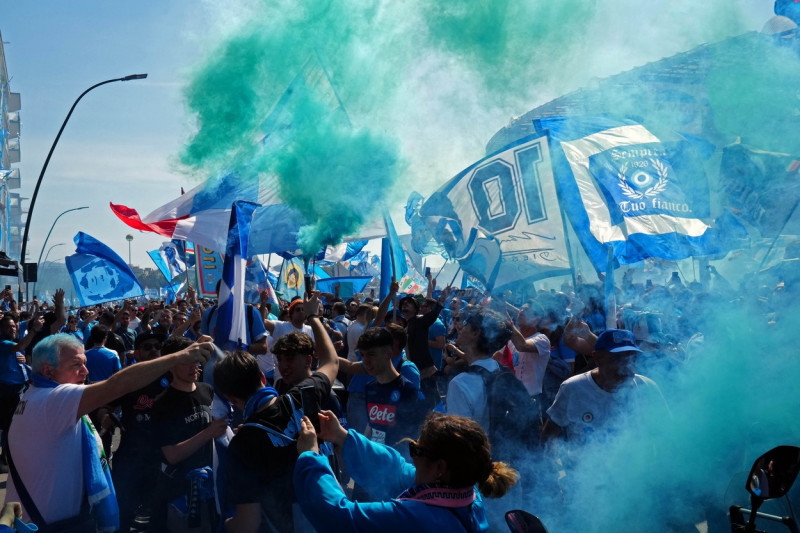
38 261
45 261
47 162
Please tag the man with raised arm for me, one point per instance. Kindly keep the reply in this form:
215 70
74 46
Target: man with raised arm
263 452
58 472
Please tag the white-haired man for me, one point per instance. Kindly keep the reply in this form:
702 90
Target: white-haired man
57 468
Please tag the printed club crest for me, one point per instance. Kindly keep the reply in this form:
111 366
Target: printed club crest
642 179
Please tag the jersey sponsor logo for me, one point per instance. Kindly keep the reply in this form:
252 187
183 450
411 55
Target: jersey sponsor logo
144 402
383 415
588 417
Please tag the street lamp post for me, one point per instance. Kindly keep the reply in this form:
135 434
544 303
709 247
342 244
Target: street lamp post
38 261
129 238
45 262
47 161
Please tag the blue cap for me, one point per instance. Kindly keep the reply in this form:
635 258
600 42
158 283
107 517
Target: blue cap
615 341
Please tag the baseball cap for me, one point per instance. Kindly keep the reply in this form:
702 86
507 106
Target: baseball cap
615 341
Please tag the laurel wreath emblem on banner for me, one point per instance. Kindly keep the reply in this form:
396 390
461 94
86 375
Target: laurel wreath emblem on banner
656 189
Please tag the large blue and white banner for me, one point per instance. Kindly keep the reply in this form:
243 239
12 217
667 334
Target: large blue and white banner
500 217
623 187
98 274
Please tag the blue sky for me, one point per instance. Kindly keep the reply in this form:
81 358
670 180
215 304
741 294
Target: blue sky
121 142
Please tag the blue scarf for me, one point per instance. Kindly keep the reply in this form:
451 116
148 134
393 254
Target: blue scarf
261 397
96 474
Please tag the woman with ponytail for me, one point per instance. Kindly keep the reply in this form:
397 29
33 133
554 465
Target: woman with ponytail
435 492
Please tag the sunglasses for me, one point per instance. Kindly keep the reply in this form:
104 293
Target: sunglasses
150 346
415 450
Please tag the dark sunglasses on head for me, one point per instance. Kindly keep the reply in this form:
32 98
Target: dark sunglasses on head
415 450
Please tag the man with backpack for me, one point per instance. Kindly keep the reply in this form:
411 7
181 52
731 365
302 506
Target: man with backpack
530 350
488 392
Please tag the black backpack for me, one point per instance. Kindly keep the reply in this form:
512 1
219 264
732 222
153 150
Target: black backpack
512 413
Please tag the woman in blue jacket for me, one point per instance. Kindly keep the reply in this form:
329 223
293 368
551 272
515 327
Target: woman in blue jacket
450 458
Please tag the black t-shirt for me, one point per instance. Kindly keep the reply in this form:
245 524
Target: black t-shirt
261 463
395 411
137 413
179 415
417 348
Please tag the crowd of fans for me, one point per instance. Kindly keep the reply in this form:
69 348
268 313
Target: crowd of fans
357 413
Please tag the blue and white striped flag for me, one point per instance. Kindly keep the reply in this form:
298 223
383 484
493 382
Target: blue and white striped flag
231 328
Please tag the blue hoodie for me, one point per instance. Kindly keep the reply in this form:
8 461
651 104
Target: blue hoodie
384 473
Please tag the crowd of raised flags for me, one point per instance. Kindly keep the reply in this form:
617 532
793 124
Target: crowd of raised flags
506 219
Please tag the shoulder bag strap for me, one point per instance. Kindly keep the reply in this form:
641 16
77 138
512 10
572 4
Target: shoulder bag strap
26 499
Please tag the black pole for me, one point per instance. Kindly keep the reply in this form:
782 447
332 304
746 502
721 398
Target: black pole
47 162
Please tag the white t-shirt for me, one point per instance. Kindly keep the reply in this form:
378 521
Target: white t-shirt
584 410
354 331
266 361
45 443
466 395
529 367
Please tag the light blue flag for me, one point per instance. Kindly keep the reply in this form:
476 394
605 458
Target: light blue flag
172 257
231 330
621 186
292 281
393 257
168 260
272 279
256 281
98 274
160 263
171 293
348 286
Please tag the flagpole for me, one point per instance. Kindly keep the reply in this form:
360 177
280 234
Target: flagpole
188 278
444 265
306 276
778 235
569 250
611 297
280 278
454 277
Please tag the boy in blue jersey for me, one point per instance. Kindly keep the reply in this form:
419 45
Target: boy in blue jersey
394 406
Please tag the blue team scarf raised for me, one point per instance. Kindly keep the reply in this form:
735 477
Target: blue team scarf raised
96 474
261 397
